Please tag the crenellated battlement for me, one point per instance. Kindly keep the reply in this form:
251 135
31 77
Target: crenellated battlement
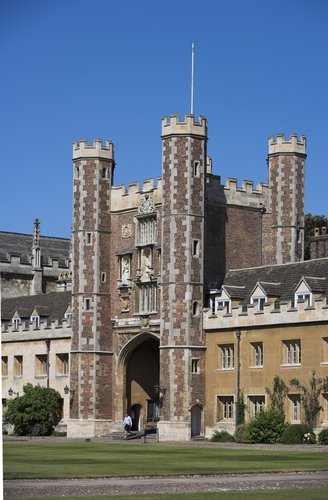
286 314
81 149
189 126
28 330
280 145
231 193
123 198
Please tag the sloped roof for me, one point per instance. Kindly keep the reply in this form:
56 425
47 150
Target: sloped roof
21 245
51 305
280 280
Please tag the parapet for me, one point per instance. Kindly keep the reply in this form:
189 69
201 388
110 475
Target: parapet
130 198
188 126
232 194
97 149
280 145
287 313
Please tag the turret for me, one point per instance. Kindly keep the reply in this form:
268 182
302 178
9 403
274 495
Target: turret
92 342
182 362
286 161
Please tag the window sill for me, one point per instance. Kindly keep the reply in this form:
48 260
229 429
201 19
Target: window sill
225 369
294 365
324 363
41 376
61 375
256 367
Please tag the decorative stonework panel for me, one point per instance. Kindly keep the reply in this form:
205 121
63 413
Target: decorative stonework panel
126 231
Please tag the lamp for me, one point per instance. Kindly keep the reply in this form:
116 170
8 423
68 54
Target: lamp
160 392
66 389
11 392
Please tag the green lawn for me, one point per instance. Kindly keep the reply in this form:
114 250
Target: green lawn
81 459
307 494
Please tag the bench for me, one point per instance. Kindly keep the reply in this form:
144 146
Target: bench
150 433
36 430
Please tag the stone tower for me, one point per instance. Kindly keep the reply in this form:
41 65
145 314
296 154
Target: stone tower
286 161
182 351
91 391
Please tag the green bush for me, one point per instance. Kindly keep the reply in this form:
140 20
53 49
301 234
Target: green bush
241 434
222 437
36 412
267 427
323 437
59 434
298 434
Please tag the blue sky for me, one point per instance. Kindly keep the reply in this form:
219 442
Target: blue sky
74 69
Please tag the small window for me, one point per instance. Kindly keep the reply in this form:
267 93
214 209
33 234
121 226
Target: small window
257 354
16 322
77 172
103 277
195 366
87 304
325 350
18 366
195 308
36 321
62 366
195 248
303 297
196 168
225 408
4 366
41 365
227 358
104 173
88 239
258 302
257 404
295 407
68 316
292 352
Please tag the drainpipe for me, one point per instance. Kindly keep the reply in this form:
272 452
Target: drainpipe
262 212
48 361
238 335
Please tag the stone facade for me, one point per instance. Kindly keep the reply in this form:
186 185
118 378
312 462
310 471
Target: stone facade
145 261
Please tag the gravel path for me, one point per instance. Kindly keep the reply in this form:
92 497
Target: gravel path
162 485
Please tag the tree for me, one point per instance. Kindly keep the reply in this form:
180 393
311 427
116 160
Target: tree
277 394
310 397
311 222
39 406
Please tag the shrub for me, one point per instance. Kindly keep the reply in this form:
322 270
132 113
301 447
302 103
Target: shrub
222 437
36 412
241 434
59 434
323 437
298 434
267 427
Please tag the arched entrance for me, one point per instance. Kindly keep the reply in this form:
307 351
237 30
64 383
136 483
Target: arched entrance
140 358
196 420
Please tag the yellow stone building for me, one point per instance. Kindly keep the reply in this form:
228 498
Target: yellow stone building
265 322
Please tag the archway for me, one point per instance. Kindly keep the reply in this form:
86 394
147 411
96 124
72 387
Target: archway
196 420
140 360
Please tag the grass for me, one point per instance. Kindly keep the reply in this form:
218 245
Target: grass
80 459
308 494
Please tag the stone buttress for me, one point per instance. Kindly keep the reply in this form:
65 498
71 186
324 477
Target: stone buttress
182 354
284 234
91 390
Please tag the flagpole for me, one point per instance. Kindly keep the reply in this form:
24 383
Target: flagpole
192 78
